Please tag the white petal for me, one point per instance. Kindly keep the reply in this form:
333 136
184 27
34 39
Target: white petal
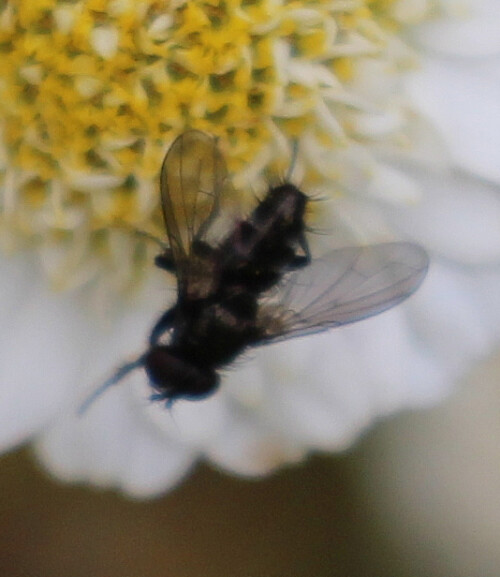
449 319
250 449
195 424
305 402
113 446
42 343
484 286
462 100
382 365
410 11
458 216
469 30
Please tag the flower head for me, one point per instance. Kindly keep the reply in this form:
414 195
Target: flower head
92 93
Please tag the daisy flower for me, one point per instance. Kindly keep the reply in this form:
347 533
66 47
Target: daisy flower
373 92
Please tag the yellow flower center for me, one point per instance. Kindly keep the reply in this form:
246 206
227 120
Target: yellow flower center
93 92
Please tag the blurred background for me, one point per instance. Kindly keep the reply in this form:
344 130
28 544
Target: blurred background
419 495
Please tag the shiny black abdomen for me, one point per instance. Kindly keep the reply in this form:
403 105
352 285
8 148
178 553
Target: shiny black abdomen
267 244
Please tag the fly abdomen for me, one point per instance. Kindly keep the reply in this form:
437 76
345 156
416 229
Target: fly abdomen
269 243
283 206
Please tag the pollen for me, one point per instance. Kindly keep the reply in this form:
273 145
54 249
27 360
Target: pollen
92 94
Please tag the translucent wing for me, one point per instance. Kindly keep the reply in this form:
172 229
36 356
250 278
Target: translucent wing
345 286
192 176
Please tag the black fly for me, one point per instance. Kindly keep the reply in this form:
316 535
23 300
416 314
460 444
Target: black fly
258 284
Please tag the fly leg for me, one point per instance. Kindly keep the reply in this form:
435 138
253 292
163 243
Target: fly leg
165 261
164 323
303 259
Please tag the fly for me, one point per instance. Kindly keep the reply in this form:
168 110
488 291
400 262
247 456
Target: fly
258 284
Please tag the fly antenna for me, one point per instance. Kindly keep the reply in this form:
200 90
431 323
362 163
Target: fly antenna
144 234
115 378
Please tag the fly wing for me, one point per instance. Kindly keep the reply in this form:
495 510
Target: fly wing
344 286
192 176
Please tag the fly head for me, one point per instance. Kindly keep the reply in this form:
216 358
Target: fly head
174 377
